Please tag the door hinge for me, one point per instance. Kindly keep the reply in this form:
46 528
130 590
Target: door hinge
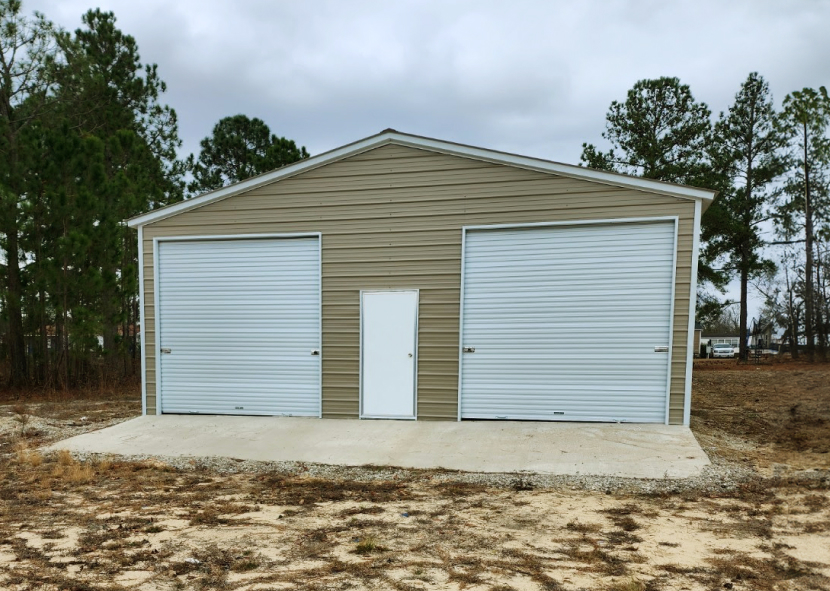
661 349
165 350
468 349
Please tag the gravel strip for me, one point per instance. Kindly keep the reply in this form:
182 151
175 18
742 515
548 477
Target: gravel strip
719 477
14 429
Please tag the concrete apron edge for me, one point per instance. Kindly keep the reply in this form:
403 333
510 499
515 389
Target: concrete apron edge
655 452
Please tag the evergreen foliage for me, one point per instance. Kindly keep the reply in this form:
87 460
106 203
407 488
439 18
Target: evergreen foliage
239 148
86 144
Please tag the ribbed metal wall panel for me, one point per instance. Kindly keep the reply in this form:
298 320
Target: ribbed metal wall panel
241 318
564 321
407 232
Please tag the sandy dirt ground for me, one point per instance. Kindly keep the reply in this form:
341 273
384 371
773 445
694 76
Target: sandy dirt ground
774 417
111 524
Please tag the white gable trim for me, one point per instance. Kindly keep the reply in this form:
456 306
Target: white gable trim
413 141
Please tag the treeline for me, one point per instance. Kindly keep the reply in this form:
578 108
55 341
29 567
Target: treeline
770 224
85 143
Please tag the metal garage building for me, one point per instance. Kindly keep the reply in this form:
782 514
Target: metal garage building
411 278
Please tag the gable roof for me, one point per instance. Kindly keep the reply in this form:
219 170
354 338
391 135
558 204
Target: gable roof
390 136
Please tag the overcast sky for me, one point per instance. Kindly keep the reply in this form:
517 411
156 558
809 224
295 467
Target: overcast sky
531 77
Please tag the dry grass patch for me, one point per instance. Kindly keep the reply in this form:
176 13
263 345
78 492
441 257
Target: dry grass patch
27 457
373 510
583 528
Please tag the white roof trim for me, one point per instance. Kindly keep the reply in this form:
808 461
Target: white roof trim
403 139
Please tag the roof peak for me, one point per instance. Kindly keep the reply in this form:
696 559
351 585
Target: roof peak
442 146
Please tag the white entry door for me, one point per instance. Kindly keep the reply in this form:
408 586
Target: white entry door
388 351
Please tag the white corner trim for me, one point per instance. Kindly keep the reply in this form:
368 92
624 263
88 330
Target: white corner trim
156 324
671 318
413 141
687 401
141 316
461 318
320 323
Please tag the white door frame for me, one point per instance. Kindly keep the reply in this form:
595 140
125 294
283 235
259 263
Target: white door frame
601 222
157 307
415 353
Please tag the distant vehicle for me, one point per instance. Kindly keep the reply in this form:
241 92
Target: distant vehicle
723 350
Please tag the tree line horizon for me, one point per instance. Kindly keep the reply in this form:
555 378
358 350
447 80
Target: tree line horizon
87 142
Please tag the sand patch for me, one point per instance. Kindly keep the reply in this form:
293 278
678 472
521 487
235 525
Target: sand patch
8 556
133 577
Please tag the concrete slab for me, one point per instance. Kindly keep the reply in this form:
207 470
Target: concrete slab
627 450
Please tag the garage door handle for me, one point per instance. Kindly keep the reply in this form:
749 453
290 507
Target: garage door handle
661 349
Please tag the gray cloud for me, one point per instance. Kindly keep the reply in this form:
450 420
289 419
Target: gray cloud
531 77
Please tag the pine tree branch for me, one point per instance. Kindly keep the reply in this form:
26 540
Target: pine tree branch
779 242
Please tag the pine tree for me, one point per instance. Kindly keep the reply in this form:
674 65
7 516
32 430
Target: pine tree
805 206
26 50
659 132
747 148
111 95
238 149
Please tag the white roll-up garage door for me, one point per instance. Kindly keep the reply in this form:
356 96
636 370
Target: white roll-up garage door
561 322
239 326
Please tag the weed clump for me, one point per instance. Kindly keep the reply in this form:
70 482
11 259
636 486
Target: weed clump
69 470
368 545
28 457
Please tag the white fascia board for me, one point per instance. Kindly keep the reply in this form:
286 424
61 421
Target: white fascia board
423 143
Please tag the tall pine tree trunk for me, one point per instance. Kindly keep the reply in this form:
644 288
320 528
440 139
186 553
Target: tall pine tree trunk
743 353
809 326
109 311
792 315
43 367
18 375
821 308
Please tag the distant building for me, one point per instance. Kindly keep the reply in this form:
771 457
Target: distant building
733 339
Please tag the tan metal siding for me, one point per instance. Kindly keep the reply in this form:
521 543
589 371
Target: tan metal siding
391 218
